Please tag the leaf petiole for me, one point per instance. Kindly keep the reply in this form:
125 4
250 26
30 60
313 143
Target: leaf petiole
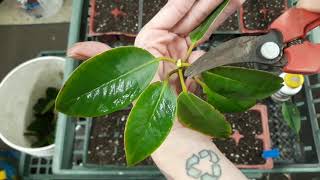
183 84
185 65
48 106
189 51
201 83
171 73
167 59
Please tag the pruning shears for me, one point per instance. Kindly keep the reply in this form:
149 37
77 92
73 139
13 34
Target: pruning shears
285 46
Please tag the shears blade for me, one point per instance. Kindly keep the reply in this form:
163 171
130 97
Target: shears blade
239 50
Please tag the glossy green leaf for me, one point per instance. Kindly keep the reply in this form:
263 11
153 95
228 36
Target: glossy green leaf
241 83
199 33
107 82
291 115
227 104
199 115
149 122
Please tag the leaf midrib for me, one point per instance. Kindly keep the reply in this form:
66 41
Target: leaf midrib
246 85
206 23
159 99
242 83
196 107
119 77
235 101
290 112
212 108
154 109
229 79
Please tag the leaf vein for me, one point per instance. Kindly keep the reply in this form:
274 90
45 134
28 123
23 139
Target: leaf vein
113 80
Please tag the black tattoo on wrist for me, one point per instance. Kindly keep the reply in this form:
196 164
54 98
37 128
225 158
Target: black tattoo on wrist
211 159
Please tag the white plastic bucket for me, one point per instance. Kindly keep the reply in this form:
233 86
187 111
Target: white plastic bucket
41 8
19 91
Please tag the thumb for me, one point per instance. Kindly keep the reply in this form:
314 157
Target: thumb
310 5
190 83
85 50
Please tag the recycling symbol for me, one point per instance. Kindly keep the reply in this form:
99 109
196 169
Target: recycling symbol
194 160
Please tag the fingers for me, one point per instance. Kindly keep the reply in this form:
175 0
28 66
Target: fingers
178 48
85 50
171 14
198 13
231 8
310 5
195 55
155 41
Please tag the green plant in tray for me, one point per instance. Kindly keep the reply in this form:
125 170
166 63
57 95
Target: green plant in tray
43 126
114 79
291 116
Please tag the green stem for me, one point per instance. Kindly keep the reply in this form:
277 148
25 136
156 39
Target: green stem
171 73
48 106
201 83
185 64
167 59
189 52
181 64
183 85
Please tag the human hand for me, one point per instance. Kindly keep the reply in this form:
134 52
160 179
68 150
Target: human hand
167 33
180 145
310 5
166 36
86 50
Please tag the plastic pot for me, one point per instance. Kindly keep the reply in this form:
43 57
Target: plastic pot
264 136
116 22
259 14
231 25
116 17
19 91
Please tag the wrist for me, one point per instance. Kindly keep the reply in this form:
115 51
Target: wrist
186 154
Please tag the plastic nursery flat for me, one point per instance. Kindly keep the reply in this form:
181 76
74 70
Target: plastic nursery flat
231 25
264 136
114 17
261 17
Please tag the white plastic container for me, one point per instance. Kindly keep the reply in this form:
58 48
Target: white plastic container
41 8
19 91
292 85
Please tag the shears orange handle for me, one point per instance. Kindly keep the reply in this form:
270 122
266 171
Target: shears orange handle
294 24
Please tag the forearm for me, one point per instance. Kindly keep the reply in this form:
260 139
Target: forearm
192 157
310 5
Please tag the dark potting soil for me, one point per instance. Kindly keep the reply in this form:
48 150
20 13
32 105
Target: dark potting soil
249 149
247 123
106 144
151 8
259 14
230 24
116 16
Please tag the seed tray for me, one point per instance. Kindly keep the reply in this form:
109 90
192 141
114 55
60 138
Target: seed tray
302 156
